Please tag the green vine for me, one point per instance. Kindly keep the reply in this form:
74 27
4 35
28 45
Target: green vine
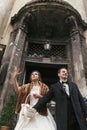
8 113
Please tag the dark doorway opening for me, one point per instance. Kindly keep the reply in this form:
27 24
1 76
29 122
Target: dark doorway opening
48 71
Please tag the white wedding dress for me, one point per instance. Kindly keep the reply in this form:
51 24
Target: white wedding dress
38 122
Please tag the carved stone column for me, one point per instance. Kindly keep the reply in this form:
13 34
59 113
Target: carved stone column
77 59
15 60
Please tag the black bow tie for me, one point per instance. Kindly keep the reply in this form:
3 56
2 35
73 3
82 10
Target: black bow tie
64 82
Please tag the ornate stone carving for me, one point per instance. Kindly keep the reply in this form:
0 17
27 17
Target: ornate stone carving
71 21
22 22
25 18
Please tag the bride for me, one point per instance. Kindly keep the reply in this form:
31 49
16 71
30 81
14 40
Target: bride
36 89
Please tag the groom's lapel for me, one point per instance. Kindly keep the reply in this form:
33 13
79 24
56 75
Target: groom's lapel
60 86
70 86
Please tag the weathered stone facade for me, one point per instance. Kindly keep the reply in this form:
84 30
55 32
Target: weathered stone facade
45 35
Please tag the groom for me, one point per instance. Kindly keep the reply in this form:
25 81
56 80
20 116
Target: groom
71 113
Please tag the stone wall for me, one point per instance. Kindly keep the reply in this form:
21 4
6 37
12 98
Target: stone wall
85 5
79 6
5 10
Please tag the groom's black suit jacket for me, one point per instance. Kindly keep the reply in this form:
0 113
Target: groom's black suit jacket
57 93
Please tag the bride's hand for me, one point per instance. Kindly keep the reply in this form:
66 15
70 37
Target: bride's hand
37 95
16 72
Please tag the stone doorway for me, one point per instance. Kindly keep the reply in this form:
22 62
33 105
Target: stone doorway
48 71
49 76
